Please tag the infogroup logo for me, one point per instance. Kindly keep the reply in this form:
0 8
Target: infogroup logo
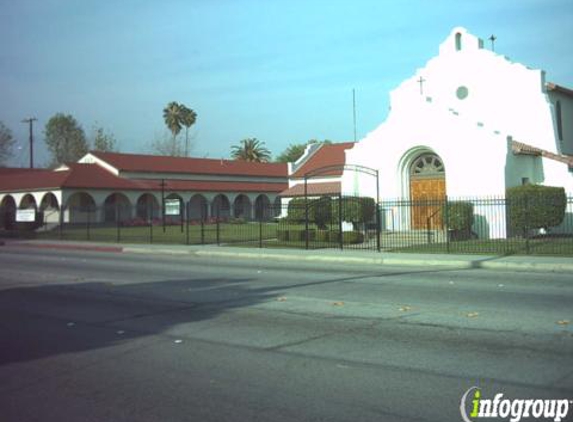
514 409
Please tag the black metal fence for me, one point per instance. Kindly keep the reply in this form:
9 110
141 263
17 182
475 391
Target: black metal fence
469 225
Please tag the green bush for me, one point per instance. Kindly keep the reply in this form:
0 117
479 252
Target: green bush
354 209
296 211
321 236
320 211
282 235
352 237
459 216
535 207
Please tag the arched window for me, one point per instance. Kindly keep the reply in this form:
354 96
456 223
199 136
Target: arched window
458 41
559 121
427 165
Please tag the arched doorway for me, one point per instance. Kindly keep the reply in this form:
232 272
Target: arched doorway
147 207
80 208
198 207
242 207
28 202
263 209
8 212
221 207
49 208
427 191
116 208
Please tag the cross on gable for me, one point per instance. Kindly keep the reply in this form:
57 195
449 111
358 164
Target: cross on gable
492 38
421 82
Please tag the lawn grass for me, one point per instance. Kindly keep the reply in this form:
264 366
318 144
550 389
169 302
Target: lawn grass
256 235
543 246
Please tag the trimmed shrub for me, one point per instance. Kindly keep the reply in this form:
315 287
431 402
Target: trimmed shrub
283 235
459 216
354 209
535 207
352 237
320 211
321 236
296 211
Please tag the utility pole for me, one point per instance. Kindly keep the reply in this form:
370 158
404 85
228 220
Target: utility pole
492 39
31 121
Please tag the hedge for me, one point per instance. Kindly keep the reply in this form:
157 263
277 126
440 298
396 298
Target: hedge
459 215
535 207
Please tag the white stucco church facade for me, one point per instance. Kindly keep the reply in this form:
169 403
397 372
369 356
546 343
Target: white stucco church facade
469 123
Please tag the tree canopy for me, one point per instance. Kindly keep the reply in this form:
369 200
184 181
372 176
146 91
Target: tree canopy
295 151
103 141
176 116
251 149
6 143
65 139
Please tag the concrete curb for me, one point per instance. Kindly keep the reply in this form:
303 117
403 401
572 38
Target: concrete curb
532 264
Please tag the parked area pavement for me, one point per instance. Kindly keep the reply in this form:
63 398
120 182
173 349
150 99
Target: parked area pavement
347 257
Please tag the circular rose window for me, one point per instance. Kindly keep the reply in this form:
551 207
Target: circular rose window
462 92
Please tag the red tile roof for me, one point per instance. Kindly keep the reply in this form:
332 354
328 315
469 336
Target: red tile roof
92 176
520 148
159 164
313 189
327 155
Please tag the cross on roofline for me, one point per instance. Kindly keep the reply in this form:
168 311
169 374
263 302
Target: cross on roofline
492 38
421 82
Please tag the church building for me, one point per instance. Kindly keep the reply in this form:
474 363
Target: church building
470 123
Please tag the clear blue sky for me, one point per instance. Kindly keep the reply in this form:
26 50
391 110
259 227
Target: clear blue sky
280 71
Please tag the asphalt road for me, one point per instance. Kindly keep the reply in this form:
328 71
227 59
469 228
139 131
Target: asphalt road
118 337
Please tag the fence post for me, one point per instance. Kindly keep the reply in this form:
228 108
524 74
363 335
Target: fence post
341 237
62 210
118 226
181 214
150 213
260 231
203 215
217 225
447 223
526 233
88 223
378 227
306 236
187 223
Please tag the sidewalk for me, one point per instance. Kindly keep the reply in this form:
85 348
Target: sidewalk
351 257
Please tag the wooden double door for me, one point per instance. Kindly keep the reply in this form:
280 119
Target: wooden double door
427 200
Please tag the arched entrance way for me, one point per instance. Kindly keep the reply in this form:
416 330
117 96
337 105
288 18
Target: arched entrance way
198 207
116 208
220 207
242 207
8 212
427 190
80 208
147 207
263 209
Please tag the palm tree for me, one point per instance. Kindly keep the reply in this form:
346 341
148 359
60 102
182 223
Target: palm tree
172 117
251 149
187 119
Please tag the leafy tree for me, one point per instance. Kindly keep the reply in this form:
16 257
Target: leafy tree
104 141
295 151
167 146
187 118
291 154
251 149
6 143
65 139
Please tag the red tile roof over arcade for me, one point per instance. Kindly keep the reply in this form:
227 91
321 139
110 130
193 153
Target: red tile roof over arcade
92 176
159 164
326 155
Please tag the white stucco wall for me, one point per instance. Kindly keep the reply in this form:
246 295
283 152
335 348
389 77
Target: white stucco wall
472 102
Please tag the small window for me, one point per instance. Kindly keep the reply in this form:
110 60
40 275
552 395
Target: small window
462 93
559 121
458 41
